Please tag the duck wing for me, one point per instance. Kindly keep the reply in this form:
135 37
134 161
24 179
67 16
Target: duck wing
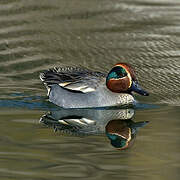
73 78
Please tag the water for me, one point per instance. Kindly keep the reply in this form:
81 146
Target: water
37 35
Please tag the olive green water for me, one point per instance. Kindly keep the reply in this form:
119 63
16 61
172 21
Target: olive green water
37 35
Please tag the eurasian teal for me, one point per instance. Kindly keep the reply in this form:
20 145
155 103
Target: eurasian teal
75 87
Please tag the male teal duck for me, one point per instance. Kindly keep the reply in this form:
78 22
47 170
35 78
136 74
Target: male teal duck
75 87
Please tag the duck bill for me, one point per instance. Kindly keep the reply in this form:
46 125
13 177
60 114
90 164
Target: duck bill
136 88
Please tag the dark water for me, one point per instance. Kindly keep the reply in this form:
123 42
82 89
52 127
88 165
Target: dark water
37 35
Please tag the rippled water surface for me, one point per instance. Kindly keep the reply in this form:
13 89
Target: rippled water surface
37 35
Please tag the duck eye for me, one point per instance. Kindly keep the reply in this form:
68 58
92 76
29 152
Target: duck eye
121 72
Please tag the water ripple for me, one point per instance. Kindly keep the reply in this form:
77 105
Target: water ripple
35 36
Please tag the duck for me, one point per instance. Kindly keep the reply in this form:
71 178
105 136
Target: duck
80 87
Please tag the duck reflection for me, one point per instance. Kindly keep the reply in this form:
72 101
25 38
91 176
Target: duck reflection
122 133
115 123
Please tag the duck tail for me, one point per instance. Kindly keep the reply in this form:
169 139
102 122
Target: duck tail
50 77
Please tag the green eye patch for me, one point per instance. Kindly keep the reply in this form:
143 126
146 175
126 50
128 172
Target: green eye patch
116 73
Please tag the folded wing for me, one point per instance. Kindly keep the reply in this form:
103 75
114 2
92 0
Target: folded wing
73 78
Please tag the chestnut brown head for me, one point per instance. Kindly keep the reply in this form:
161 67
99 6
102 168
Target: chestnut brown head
122 78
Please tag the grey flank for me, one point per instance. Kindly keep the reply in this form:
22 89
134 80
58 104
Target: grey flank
102 97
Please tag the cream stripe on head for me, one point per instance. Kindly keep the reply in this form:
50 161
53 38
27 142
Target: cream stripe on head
128 73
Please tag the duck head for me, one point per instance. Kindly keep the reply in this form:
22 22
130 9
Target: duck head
122 78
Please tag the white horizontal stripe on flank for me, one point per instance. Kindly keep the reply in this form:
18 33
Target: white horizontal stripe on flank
63 122
64 84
